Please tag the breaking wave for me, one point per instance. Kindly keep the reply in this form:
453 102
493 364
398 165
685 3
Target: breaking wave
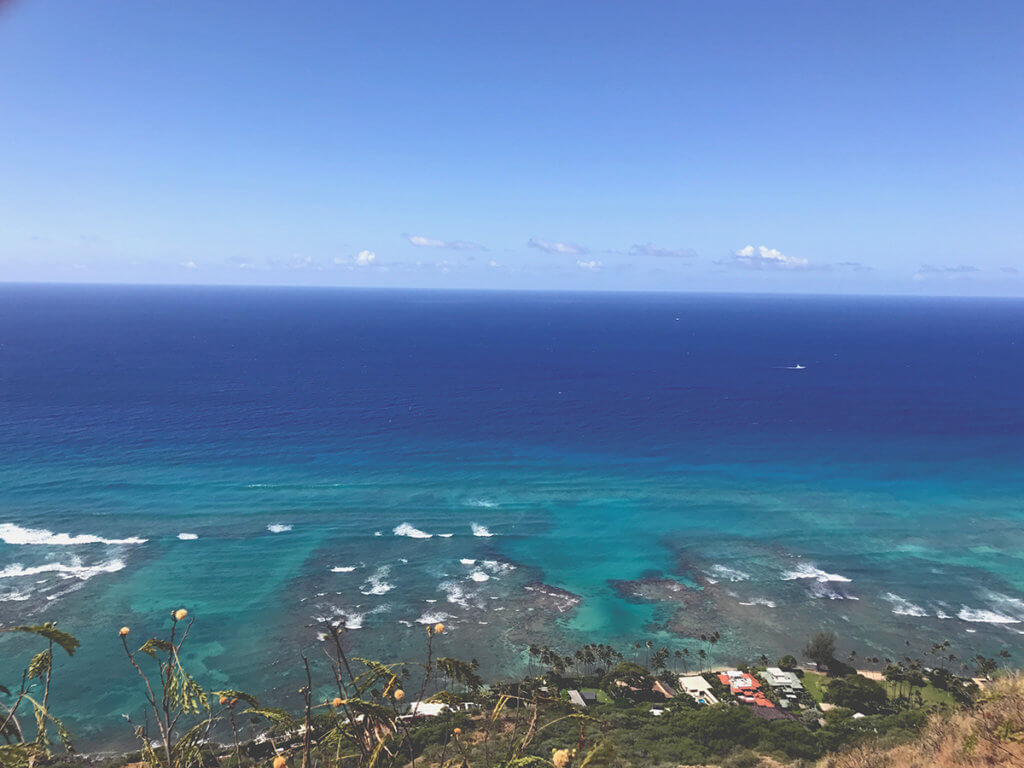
15 534
903 607
809 571
413 533
75 570
760 601
279 527
732 574
432 617
376 584
481 530
982 616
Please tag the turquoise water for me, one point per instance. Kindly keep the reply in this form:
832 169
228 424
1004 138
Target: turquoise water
600 442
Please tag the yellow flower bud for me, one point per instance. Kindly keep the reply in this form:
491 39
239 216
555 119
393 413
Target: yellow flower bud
457 731
337 702
280 761
399 694
438 628
124 631
180 614
223 701
560 758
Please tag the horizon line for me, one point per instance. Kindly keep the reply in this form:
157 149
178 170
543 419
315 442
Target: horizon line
553 291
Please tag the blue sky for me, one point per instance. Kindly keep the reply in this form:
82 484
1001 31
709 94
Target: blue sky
862 147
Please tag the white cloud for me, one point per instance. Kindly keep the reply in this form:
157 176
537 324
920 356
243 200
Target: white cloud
669 253
592 266
763 257
365 258
956 272
493 264
454 245
190 265
551 246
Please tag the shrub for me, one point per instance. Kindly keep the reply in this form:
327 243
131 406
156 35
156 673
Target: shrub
858 693
788 663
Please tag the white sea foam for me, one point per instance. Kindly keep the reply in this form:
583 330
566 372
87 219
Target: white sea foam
351 618
188 536
378 533
455 593
376 584
903 607
810 571
413 533
760 601
74 587
433 617
14 596
15 534
481 530
824 589
1011 605
497 567
446 535
732 574
479 575
279 527
74 570
483 503
467 561
343 569
982 616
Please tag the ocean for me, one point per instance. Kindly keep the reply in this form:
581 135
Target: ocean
545 468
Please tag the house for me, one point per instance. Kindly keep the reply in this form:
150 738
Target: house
583 698
740 683
697 688
424 709
745 688
786 682
665 690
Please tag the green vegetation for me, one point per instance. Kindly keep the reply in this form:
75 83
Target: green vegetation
366 721
814 684
821 649
859 694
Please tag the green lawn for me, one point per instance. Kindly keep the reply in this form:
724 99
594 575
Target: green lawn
602 697
933 695
813 684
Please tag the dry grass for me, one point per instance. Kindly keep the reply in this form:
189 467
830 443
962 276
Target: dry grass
991 734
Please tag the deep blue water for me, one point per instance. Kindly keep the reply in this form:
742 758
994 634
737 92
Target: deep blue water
598 438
